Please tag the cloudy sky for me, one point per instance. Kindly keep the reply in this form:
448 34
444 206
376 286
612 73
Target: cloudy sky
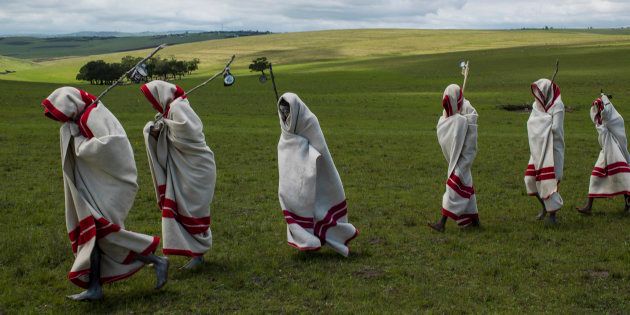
56 16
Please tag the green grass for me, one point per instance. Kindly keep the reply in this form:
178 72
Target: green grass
379 115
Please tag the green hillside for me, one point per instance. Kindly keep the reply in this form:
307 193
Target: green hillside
325 48
377 95
55 47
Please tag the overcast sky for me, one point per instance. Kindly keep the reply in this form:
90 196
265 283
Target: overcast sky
56 16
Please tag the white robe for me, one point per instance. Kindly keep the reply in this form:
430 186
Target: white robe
457 135
611 174
310 190
546 144
99 175
183 170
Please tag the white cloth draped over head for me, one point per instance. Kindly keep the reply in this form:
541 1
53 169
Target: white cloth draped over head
99 175
611 174
457 135
310 189
546 144
183 170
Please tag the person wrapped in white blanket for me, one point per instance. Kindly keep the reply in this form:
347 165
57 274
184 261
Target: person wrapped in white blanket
546 144
183 170
457 135
611 175
310 190
99 175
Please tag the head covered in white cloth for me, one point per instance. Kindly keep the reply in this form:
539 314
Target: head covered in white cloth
310 190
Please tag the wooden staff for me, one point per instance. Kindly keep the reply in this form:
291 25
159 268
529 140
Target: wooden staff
465 73
212 77
553 78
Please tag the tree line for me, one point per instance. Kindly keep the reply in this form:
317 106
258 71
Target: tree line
101 72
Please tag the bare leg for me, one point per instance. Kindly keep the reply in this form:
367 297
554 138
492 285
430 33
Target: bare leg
94 291
626 198
543 212
439 225
552 218
161 268
586 209
193 263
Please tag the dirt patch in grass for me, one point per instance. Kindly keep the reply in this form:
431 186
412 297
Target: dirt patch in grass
368 273
526 108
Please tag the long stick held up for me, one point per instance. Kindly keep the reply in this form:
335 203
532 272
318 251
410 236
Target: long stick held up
212 77
273 81
553 78
465 68
122 77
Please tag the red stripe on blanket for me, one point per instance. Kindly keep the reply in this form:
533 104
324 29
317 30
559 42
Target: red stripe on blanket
462 220
152 100
304 249
455 183
131 256
320 228
192 229
544 173
332 216
172 205
180 252
292 218
83 127
52 112
611 169
625 192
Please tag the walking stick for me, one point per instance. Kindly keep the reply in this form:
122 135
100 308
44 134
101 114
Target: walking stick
225 71
553 78
465 68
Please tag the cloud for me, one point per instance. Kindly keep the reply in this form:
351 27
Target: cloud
55 16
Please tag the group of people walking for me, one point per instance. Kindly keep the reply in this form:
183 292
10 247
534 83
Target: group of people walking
99 175
457 135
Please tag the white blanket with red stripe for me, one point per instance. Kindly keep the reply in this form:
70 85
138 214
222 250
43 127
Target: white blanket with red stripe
546 144
183 171
99 174
457 135
310 189
611 174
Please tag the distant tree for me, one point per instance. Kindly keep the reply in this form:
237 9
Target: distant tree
259 64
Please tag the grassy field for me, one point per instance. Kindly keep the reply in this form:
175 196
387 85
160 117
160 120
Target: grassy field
378 109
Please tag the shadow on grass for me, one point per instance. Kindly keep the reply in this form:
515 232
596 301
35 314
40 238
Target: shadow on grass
326 254
122 301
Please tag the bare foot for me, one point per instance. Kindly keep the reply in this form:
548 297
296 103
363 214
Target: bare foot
436 226
193 263
161 272
541 215
89 295
584 210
